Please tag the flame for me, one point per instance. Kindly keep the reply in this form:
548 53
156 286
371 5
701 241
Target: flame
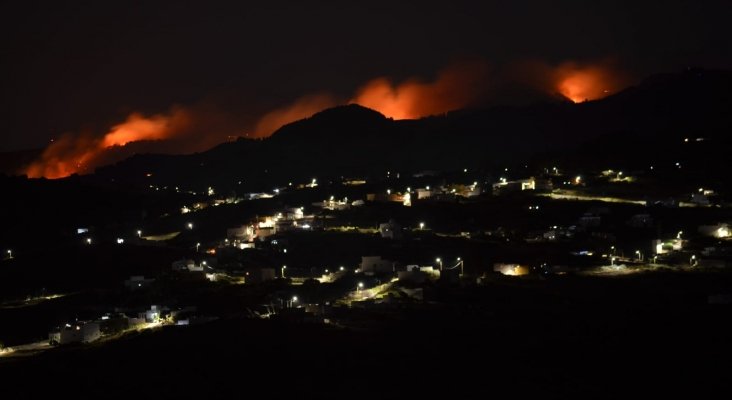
586 82
455 87
186 129
72 154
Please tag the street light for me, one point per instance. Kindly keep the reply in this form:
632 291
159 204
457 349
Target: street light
692 260
139 233
283 270
88 240
10 253
439 261
359 287
190 225
197 246
640 255
678 235
421 225
341 268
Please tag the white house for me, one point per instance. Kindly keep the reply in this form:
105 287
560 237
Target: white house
78 332
244 233
716 230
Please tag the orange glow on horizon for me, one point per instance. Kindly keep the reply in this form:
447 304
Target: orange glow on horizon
584 83
72 154
196 128
454 88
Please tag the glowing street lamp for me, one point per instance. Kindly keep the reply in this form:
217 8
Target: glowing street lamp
359 287
88 240
139 233
421 225
283 270
10 253
197 246
190 225
678 235
439 261
341 268
640 255
692 260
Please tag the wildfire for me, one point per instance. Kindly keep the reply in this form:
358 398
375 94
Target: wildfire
585 82
72 154
196 128
455 87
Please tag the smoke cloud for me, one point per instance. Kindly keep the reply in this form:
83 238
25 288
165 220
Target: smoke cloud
582 82
301 108
454 87
575 81
180 130
195 128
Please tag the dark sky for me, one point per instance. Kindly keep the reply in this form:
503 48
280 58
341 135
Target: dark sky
81 65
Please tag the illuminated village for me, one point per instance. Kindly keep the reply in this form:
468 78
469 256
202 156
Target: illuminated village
460 199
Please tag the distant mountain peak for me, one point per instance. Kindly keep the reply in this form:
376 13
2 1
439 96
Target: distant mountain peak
350 116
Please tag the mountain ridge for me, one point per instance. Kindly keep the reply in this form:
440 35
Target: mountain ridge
354 140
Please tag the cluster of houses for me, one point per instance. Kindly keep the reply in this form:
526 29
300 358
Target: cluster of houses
289 219
120 321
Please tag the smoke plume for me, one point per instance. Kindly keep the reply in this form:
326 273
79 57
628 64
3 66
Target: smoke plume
454 87
301 108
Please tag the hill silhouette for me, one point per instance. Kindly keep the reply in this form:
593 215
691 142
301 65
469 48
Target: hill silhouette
353 140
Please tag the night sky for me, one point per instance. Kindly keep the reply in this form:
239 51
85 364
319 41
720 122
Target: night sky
72 66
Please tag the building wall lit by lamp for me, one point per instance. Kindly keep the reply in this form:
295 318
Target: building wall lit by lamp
528 185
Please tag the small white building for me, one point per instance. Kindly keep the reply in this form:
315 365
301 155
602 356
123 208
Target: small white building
243 233
152 315
717 230
667 246
423 193
78 332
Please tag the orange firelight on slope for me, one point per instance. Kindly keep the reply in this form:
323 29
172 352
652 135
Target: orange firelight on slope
72 154
582 83
455 87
